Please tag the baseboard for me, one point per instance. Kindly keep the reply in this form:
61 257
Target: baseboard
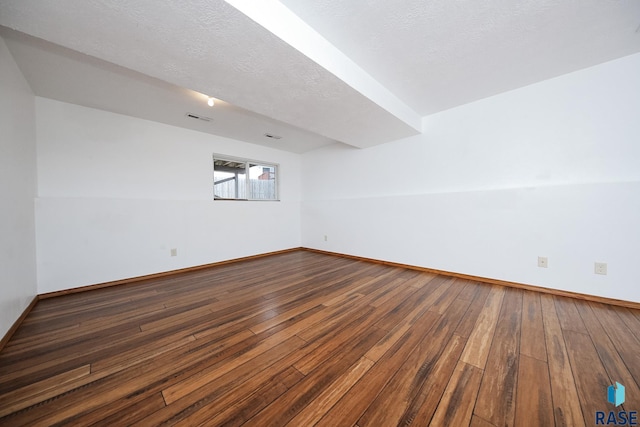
12 330
162 274
576 295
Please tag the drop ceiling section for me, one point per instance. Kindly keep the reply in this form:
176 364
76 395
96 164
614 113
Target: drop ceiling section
65 75
211 48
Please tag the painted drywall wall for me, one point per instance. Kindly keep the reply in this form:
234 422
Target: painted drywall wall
17 191
551 170
117 193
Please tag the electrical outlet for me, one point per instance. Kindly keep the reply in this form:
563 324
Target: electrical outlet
325 238
174 252
600 268
543 262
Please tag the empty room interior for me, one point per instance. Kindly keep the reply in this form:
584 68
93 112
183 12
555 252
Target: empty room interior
332 213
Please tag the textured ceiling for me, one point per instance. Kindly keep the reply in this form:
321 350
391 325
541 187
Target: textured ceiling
212 48
423 56
439 54
63 74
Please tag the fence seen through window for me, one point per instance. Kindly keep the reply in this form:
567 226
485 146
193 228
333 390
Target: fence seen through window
240 179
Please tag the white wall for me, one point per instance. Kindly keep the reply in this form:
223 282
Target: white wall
17 190
116 193
552 169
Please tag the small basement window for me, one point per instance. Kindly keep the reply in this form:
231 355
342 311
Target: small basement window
242 179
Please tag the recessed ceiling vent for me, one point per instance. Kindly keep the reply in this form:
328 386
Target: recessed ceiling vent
197 117
272 136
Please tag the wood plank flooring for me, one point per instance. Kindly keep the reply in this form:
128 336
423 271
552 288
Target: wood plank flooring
303 339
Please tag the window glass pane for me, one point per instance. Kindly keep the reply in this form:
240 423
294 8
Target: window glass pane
262 180
229 179
240 179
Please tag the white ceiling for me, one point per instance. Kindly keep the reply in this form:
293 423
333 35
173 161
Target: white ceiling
361 72
59 73
439 54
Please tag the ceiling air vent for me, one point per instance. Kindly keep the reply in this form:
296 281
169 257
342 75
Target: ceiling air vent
197 117
272 136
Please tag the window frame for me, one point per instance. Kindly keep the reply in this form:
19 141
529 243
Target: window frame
247 165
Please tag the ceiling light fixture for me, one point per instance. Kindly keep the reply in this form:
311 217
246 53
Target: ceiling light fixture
210 102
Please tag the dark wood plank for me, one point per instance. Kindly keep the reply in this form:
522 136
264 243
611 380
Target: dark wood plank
533 399
209 374
476 421
477 349
226 389
566 403
407 383
121 412
316 409
496 399
532 337
36 392
469 290
631 320
303 338
359 397
300 395
236 414
456 406
422 407
591 388
468 323
424 298
620 335
568 315
611 360
442 303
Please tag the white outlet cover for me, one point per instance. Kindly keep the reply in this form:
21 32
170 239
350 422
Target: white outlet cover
600 268
543 262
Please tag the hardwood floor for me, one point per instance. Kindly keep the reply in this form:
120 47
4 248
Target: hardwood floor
306 339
